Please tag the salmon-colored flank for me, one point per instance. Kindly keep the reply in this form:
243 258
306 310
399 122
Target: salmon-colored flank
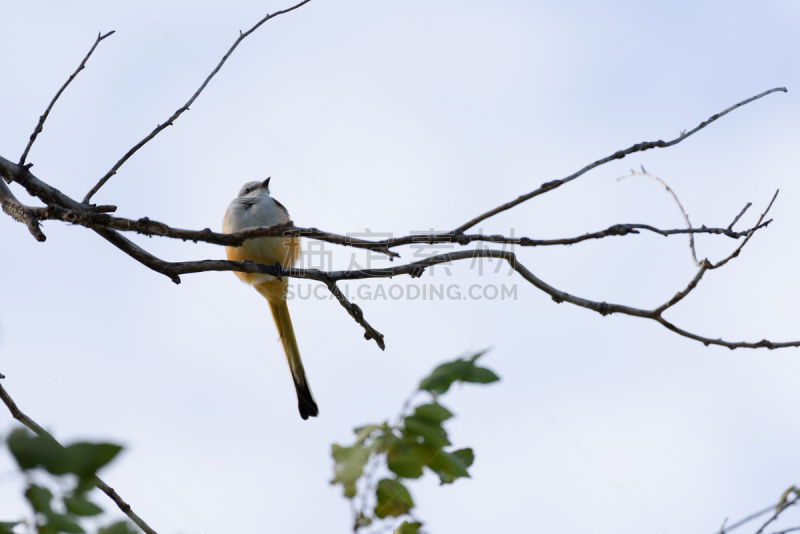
266 250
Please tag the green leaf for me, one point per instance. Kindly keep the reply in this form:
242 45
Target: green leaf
465 455
433 434
122 527
31 451
363 432
442 377
407 458
82 507
87 458
7 528
40 498
450 466
434 412
83 459
393 498
349 466
83 486
408 528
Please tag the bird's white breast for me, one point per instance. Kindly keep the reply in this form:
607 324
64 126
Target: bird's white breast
248 212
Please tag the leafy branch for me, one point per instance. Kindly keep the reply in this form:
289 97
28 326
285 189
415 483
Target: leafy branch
75 468
46 453
414 443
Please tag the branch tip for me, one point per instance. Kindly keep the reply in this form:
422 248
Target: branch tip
639 147
43 116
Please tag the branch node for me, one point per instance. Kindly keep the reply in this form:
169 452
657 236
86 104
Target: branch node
547 186
604 309
205 233
417 272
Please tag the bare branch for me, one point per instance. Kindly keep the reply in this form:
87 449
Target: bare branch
549 186
43 117
355 312
146 226
82 213
185 107
55 199
678 202
138 253
679 296
13 172
174 270
416 269
19 212
17 414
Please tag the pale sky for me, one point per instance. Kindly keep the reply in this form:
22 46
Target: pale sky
398 117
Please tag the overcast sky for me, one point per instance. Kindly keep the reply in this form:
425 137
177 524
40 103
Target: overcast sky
401 116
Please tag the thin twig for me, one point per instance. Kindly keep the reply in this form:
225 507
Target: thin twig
678 202
185 107
43 117
640 147
105 488
778 511
748 519
679 296
746 207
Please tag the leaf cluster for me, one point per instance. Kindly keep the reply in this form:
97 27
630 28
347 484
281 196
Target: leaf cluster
77 463
417 443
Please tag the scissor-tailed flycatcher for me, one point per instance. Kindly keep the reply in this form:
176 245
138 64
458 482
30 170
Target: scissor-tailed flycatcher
255 207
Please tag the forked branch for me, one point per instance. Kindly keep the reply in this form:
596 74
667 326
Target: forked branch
416 269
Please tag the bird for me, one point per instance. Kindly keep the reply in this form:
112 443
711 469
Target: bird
254 206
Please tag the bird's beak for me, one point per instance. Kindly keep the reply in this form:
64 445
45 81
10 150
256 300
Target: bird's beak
265 183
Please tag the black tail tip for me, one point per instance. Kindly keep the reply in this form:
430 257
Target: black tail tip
307 409
305 403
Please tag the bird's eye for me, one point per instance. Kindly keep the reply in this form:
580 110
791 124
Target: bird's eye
246 191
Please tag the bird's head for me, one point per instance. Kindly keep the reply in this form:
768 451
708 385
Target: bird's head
255 189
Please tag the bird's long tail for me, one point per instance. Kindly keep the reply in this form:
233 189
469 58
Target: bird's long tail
305 400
